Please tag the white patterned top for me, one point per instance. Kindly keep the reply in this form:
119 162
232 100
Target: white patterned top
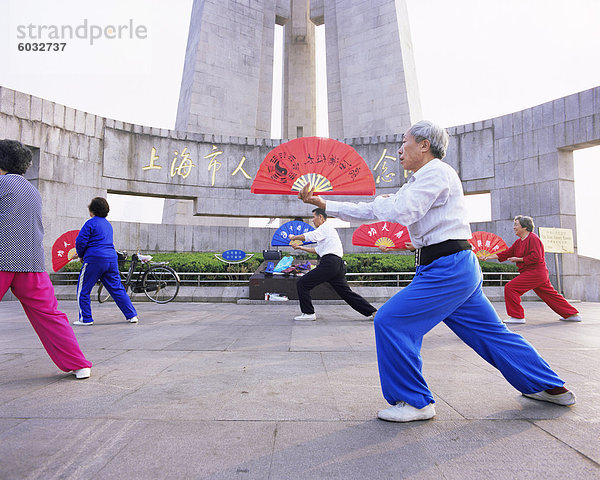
22 232
431 204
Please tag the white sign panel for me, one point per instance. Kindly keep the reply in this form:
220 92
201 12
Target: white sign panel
557 240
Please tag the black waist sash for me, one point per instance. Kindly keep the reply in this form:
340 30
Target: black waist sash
426 255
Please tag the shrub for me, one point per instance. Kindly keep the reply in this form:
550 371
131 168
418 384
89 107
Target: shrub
201 262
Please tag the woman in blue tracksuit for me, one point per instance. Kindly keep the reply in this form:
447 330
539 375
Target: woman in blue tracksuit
96 250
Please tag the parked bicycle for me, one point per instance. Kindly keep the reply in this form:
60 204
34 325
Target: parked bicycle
159 282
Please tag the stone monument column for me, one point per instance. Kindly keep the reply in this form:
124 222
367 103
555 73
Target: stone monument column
227 81
371 79
228 71
299 84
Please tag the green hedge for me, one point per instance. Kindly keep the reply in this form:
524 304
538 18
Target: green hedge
357 263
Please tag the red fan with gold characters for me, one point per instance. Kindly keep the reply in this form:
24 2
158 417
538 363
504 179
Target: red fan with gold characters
331 167
486 243
391 235
63 250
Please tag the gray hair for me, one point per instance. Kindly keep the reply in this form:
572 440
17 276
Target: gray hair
436 135
525 222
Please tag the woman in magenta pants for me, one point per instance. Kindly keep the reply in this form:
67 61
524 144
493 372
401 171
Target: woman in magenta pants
22 266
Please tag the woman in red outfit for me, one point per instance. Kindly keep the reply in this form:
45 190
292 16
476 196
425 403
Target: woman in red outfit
528 254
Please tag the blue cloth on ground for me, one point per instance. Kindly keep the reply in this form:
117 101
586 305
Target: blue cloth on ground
284 263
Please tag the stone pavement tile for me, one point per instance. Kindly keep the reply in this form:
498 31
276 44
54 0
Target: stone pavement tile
17 333
316 336
581 434
477 390
65 398
26 372
63 448
156 337
236 337
547 336
587 393
178 449
132 368
204 338
98 336
8 423
354 381
504 449
424 450
188 449
235 386
470 391
28 380
263 338
31 370
280 317
114 374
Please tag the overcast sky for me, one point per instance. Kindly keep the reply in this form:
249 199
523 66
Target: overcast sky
475 59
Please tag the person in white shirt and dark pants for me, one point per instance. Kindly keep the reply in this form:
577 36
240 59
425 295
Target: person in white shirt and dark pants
447 286
331 268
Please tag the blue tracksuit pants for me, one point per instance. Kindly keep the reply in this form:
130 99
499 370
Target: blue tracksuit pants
108 274
449 290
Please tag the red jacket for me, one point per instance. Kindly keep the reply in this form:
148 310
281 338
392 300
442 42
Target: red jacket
531 250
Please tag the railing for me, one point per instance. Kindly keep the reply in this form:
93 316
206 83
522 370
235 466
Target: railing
402 279
387 279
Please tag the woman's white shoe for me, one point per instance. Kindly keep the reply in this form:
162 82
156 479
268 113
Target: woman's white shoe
403 412
82 373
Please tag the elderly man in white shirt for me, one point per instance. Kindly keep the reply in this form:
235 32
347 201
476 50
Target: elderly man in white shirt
331 268
447 286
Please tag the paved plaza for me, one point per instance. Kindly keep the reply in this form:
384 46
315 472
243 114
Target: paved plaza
227 391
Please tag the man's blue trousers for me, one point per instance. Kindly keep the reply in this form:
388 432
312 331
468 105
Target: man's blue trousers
108 274
449 290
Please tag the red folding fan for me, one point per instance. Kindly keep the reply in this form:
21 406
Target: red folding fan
486 243
63 249
331 167
392 235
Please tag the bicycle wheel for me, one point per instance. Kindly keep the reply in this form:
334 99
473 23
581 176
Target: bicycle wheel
104 296
161 284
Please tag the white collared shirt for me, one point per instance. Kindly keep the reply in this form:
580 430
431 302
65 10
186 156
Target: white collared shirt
327 238
430 204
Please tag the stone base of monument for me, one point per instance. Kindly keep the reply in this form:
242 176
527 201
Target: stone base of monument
261 283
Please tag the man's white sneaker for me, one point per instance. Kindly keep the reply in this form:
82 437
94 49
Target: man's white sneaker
79 322
306 316
132 320
567 398
572 318
372 316
403 412
82 373
514 320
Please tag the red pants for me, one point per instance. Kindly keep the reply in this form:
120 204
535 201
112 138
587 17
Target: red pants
36 294
539 282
